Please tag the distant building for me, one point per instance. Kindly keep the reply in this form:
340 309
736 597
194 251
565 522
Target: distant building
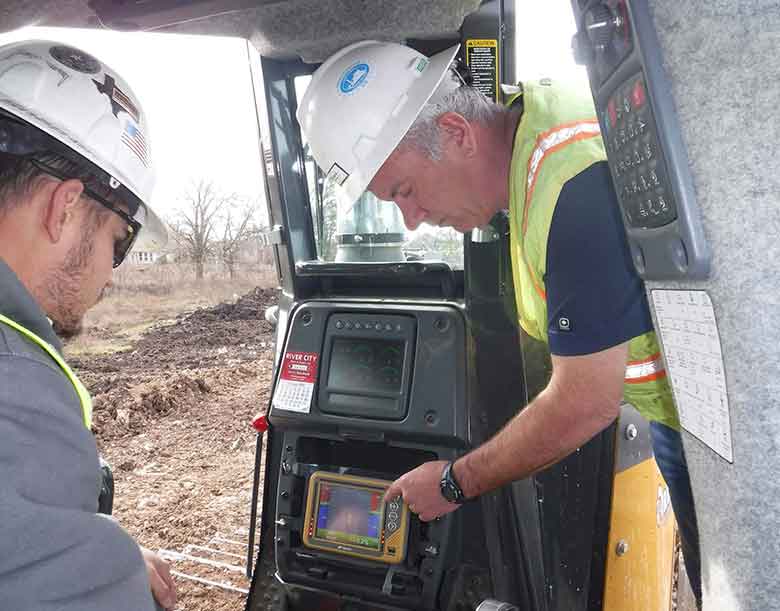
144 257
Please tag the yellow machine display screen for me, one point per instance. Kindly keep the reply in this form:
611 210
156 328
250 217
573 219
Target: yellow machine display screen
347 514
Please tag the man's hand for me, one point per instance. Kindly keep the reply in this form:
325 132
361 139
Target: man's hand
163 586
420 489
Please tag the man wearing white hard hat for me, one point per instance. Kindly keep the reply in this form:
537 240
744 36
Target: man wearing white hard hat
75 185
417 135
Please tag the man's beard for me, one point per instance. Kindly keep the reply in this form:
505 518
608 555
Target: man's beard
69 329
66 286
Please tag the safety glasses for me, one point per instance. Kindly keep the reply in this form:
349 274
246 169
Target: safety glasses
123 245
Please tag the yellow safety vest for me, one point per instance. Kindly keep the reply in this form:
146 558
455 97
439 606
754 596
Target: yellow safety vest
81 391
557 138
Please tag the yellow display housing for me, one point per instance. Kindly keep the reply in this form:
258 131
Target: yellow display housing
347 514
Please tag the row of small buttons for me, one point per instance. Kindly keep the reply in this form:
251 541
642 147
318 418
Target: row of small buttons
642 185
635 160
633 129
393 516
368 326
653 207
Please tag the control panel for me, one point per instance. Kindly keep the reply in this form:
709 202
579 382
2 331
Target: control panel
365 393
649 165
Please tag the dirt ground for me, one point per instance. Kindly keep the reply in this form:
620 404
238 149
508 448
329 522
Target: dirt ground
172 415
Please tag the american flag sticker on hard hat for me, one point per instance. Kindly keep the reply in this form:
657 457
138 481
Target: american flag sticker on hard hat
134 139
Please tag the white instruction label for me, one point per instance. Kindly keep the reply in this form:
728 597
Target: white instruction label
295 387
694 359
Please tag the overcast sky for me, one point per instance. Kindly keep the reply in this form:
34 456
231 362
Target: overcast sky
197 95
196 92
543 40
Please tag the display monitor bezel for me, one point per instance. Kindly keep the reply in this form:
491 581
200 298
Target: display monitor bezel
392 546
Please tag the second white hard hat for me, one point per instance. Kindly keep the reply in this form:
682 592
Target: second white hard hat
360 104
79 102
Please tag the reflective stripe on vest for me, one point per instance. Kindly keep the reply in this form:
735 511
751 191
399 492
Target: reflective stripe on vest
549 142
546 144
81 391
651 368
557 138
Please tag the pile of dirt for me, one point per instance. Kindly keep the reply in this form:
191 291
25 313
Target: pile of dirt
121 407
168 366
172 416
198 339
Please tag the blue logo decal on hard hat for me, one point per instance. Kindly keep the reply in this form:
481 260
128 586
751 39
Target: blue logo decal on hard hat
353 78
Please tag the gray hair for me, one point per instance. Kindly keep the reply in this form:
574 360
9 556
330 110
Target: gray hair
451 96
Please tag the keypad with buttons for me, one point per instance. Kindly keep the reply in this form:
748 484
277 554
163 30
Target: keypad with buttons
638 168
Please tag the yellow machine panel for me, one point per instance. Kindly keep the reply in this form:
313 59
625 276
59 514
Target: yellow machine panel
640 558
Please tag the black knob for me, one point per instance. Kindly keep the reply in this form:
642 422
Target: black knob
582 49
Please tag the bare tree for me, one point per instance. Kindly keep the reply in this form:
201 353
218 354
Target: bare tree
237 229
195 224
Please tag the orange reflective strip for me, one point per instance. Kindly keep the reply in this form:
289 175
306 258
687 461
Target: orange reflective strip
540 291
648 378
549 142
645 370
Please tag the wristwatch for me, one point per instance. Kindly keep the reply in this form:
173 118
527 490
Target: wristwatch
449 486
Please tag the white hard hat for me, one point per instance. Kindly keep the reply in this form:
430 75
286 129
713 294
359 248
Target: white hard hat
361 102
82 104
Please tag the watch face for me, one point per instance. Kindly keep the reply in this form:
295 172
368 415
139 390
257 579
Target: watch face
449 489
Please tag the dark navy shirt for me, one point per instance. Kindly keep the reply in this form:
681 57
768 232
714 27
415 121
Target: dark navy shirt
595 299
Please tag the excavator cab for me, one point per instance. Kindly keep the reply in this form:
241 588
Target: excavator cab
395 348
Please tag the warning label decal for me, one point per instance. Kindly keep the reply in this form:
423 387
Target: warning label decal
482 60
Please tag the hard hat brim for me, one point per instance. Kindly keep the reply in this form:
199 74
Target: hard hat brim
153 235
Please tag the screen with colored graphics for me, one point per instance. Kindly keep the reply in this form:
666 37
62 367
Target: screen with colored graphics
347 514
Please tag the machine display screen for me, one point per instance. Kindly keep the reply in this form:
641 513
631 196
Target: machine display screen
347 514
358 364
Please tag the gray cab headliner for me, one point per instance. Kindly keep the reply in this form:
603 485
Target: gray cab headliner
310 29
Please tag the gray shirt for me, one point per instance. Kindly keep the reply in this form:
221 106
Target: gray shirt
56 552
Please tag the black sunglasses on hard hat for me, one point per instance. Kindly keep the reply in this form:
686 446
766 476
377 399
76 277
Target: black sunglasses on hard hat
121 246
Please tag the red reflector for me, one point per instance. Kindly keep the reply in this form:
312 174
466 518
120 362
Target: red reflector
612 111
260 423
638 95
